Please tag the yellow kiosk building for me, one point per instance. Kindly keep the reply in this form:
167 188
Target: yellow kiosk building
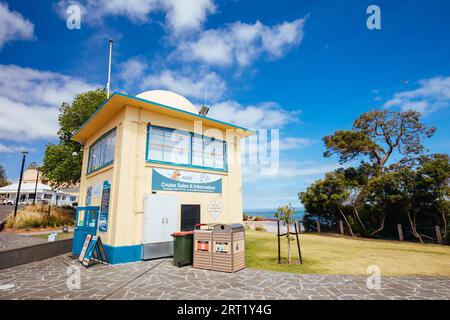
152 166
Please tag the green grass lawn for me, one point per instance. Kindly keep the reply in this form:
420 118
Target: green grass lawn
326 254
60 235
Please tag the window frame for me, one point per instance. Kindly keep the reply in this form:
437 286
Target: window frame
100 139
191 138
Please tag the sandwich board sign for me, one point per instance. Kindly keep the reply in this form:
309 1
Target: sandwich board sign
93 251
85 246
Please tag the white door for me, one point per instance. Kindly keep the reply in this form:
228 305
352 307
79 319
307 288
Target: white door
171 216
160 218
153 219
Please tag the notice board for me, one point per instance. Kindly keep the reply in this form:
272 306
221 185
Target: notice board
104 208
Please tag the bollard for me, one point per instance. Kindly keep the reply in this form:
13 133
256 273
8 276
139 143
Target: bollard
341 227
438 235
400 232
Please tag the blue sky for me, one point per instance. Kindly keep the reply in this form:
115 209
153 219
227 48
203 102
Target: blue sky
307 68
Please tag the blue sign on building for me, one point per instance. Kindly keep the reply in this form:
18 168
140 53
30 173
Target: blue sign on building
104 209
186 181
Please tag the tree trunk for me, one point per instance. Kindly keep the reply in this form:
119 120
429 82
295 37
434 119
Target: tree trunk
288 243
444 219
358 217
346 221
413 227
381 226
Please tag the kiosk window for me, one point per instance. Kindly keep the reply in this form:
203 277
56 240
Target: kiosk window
169 145
101 153
185 148
207 152
190 216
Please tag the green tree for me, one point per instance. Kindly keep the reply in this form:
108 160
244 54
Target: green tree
355 180
62 162
286 215
405 181
327 198
433 180
382 199
61 166
3 179
377 135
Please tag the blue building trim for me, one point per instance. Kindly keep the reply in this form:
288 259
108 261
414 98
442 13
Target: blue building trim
164 106
123 254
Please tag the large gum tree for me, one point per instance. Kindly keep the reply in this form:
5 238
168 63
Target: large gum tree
377 135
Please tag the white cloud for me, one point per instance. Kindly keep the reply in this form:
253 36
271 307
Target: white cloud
432 94
264 115
241 43
22 122
291 177
287 170
15 149
181 15
185 15
290 143
132 71
13 26
186 85
30 99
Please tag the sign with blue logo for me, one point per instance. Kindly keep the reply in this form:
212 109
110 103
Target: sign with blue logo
185 181
104 208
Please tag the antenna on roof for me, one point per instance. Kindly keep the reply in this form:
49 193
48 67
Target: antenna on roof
108 84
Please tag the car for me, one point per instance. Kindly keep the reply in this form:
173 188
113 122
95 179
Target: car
7 202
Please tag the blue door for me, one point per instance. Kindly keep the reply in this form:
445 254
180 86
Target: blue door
86 221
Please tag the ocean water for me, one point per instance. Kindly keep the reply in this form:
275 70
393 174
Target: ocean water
269 213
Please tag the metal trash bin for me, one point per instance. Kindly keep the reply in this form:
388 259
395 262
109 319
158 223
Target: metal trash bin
182 248
203 247
228 252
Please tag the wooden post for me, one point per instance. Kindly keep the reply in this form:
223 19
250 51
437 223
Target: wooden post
318 226
278 236
299 226
341 227
298 245
400 232
438 235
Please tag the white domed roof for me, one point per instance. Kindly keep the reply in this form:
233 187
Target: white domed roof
168 98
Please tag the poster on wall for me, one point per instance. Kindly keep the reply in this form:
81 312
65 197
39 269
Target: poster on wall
185 181
96 191
215 208
104 208
88 195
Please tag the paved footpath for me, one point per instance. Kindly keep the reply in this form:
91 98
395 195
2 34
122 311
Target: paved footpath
10 240
159 279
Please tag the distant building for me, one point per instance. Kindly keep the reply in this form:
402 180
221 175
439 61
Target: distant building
34 184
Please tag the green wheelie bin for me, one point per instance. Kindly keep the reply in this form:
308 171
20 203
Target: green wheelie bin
182 248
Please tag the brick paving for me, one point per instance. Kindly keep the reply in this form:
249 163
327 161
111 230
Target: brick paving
5 211
159 279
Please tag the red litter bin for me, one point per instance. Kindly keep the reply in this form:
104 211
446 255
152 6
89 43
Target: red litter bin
182 248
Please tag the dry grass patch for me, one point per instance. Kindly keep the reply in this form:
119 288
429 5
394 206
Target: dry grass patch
38 216
334 255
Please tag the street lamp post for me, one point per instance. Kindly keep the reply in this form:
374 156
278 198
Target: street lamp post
35 186
24 154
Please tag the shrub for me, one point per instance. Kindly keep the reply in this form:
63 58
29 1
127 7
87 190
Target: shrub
260 228
258 218
36 217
